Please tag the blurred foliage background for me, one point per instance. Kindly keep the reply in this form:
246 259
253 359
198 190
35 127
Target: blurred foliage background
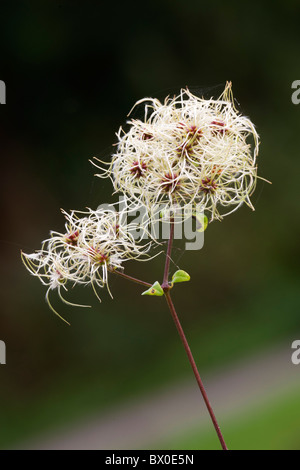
73 70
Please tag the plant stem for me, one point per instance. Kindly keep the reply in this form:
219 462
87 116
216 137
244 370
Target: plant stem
194 367
165 283
166 288
130 278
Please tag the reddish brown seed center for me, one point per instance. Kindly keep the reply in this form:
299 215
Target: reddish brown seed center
138 169
192 136
117 230
190 128
72 238
208 186
194 130
97 255
147 136
60 276
218 127
170 182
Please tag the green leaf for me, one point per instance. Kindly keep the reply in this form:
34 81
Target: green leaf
202 221
180 276
156 289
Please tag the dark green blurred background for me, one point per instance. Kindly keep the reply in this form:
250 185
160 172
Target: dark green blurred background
73 71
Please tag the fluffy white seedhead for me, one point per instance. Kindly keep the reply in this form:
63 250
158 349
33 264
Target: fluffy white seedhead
91 246
187 150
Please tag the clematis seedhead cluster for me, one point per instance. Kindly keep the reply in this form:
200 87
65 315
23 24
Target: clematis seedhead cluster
187 150
93 244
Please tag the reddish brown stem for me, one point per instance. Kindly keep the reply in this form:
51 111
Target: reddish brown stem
166 287
165 284
194 367
130 278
